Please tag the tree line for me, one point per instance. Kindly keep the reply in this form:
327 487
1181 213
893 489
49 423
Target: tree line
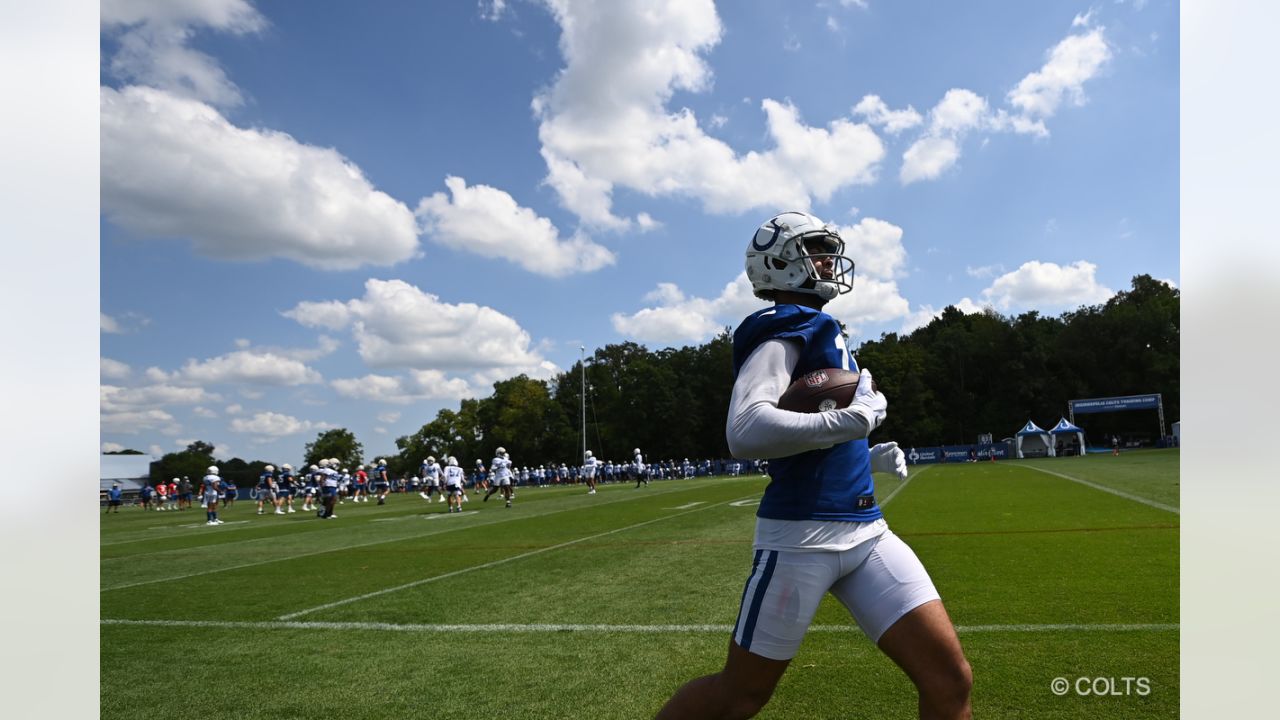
947 382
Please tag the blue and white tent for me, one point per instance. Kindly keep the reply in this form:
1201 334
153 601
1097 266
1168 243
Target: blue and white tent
1033 437
1066 428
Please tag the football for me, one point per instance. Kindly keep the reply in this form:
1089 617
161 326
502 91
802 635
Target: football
820 390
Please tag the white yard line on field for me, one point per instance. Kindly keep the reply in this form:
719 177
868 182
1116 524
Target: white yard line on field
435 531
483 566
604 628
1105 489
910 477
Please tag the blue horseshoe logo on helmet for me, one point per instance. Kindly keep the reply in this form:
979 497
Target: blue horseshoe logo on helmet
776 230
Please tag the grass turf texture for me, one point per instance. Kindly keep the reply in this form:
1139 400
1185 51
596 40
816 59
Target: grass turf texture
1011 549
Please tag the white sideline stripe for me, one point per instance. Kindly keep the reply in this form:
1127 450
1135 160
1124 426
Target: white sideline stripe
599 628
483 566
283 558
904 484
1113 491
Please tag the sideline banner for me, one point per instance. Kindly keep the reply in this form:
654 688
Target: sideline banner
1112 404
955 453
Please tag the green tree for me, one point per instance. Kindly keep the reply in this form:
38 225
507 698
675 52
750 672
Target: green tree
192 462
337 443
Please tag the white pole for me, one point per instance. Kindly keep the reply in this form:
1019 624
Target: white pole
582 349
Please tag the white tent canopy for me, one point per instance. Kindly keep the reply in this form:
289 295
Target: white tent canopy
1066 428
1032 436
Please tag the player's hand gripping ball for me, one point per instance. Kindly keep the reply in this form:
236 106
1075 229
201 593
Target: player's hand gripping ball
821 390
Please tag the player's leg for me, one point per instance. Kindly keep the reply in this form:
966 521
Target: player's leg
778 603
739 690
894 601
924 644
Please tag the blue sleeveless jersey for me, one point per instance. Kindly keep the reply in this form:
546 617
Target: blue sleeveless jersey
819 484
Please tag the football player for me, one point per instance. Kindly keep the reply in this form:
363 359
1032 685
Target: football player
818 528
500 474
211 490
454 477
266 487
431 478
361 483
642 474
589 472
381 481
284 490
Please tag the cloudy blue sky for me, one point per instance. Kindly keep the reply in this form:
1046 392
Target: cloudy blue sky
321 215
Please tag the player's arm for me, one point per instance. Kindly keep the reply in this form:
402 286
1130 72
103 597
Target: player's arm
757 428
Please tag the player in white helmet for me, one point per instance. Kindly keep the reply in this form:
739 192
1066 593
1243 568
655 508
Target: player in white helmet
360 485
285 488
430 471
500 475
381 481
589 472
818 528
454 477
641 471
328 481
266 488
211 487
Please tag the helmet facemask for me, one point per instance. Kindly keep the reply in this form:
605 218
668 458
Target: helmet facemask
841 280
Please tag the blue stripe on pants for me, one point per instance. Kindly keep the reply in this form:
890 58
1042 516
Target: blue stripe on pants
755 563
758 600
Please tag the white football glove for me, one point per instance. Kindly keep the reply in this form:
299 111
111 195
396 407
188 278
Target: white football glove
870 404
889 458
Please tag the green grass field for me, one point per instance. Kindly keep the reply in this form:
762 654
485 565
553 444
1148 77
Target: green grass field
576 606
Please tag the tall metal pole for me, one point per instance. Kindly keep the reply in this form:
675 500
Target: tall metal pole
582 349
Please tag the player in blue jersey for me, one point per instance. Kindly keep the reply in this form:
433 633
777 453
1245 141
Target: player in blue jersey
381 481
818 528
267 488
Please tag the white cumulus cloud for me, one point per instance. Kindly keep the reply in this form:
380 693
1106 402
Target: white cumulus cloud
1072 62
1047 286
274 425
176 168
488 222
153 47
417 386
878 113
605 122
396 324
113 369
241 366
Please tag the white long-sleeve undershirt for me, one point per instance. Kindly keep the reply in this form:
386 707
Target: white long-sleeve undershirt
758 429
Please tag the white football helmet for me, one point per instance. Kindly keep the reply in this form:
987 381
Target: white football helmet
430 459
777 258
287 466
588 453
213 470
502 452
453 461
324 462
271 468
636 451
314 468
